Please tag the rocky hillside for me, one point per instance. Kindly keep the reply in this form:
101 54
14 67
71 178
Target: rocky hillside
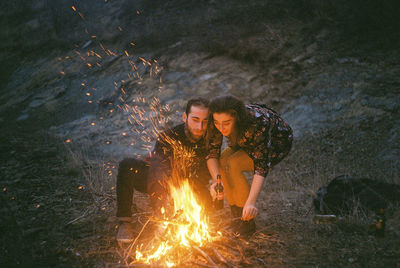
96 76
317 75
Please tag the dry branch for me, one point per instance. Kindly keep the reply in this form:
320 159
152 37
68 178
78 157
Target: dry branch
205 256
201 264
78 218
229 250
221 259
244 259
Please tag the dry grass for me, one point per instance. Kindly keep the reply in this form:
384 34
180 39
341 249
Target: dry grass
285 207
313 162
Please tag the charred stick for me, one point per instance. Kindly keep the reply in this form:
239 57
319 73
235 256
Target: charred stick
201 264
226 253
205 256
225 246
221 259
242 254
166 221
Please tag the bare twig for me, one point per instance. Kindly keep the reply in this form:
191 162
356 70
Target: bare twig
226 245
205 256
239 247
221 259
165 221
80 217
134 242
200 264
99 252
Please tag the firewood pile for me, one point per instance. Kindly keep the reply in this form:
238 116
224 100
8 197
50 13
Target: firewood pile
228 250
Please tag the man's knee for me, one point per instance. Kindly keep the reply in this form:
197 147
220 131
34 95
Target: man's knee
132 164
124 168
131 168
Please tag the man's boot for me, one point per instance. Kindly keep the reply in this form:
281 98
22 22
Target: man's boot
125 231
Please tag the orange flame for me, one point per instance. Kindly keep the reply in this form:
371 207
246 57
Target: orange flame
189 227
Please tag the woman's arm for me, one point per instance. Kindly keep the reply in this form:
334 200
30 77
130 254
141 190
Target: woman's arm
213 167
249 209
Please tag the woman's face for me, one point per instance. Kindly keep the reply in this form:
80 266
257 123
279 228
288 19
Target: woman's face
224 122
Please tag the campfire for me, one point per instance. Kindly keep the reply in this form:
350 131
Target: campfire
188 228
190 237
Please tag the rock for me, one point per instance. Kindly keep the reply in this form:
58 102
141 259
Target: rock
175 45
33 24
259 92
23 117
36 103
348 60
311 48
205 77
167 93
300 58
87 44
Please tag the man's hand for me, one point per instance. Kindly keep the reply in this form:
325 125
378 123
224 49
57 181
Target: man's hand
249 212
213 193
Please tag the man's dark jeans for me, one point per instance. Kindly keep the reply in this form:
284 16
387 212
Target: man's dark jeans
132 175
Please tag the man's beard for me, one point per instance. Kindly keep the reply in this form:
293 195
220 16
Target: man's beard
190 135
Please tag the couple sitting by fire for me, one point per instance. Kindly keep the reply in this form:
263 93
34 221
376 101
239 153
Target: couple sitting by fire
257 139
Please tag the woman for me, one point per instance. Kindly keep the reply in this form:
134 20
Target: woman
258 139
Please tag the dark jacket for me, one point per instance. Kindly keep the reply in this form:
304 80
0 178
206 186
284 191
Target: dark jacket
175 157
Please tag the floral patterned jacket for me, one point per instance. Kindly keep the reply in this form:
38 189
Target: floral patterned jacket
267 140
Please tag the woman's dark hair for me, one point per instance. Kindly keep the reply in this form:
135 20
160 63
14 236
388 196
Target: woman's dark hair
234 107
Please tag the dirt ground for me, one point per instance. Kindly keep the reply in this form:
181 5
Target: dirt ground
55 218
58 199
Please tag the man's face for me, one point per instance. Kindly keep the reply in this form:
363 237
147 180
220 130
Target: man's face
196 121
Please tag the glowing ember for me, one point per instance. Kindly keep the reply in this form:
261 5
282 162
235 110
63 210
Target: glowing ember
189 227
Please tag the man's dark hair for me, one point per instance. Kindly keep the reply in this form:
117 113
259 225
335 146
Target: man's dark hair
197 101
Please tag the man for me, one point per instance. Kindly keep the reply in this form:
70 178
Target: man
180 150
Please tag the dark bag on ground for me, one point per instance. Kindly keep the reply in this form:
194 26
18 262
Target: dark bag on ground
344 194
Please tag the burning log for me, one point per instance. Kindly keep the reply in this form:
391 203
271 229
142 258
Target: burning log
189 237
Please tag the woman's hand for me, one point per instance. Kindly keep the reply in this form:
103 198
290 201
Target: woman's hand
249 212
